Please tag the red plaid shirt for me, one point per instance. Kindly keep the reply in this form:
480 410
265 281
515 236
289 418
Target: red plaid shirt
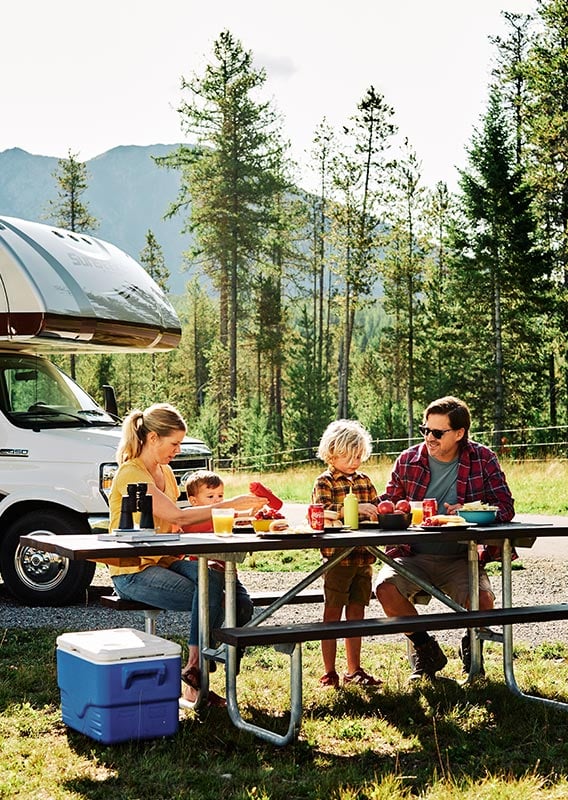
330 489
480 477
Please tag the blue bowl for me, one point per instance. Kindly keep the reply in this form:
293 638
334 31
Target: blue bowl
479 517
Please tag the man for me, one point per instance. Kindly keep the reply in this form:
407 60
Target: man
452 469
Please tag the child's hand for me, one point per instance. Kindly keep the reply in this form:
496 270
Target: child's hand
369 511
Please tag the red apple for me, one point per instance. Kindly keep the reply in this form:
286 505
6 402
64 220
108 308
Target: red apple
404 506
385 507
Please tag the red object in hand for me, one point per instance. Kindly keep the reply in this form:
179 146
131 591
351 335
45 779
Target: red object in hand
259 490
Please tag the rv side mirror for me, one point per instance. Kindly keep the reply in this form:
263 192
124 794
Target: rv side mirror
110 400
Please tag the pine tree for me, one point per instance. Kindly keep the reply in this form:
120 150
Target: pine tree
403 268
229 178
546 72
501 278
358 173
152 259
69 210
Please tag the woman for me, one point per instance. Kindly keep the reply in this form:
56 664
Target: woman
150 440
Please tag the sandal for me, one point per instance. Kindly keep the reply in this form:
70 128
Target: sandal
361 678
330 680
192 677
214 700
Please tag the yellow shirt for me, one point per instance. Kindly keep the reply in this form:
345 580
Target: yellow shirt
134 471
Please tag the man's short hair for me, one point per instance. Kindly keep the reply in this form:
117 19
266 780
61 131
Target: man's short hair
456 410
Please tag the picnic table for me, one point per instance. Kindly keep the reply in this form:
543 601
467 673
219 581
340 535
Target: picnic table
234 548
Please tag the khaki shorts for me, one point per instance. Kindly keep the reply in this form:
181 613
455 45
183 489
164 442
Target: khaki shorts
345 586
447 573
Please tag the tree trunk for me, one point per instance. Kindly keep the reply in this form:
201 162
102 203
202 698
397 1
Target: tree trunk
499 408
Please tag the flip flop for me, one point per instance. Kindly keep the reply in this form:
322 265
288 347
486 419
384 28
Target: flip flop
214 700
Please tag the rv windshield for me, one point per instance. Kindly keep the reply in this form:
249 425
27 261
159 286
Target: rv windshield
36 394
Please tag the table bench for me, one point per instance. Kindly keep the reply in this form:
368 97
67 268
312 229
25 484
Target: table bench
295 635
318 631
151 613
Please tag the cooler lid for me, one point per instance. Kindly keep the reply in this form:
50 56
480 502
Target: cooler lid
116 644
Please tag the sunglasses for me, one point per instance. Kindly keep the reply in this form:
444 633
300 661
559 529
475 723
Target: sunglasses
436 432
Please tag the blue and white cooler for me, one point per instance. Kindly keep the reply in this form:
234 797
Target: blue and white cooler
119 684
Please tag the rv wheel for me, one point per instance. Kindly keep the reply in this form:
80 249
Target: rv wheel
38 578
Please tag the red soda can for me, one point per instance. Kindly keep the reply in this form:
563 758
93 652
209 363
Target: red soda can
429 507
315 516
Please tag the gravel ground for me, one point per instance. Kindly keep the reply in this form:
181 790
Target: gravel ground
542 580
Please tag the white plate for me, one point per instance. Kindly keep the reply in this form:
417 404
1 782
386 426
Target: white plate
445 527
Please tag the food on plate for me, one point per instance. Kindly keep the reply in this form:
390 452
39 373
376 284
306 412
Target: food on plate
268 513
259 490
404 506
385 507
443 519
478 506
242 522
278 525
331 519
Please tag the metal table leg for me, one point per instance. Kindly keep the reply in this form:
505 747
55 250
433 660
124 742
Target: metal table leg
203 590
508 668
475 644
231 676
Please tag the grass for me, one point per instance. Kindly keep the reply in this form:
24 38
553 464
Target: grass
440 741
437 741
539 487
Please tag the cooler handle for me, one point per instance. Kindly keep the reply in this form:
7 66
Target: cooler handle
130 674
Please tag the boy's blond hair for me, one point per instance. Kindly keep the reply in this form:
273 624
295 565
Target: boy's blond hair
344 437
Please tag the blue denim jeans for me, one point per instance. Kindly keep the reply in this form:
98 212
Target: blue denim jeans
175 588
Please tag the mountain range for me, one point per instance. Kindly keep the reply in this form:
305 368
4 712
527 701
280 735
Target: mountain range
127 193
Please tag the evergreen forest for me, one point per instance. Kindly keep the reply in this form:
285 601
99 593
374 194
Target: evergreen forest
370 294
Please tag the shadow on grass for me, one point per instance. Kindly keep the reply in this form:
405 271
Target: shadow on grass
417 734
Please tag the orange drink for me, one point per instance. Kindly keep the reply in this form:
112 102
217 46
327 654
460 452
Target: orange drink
223 519
417 512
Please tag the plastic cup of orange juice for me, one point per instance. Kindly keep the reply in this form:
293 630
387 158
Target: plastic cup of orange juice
223 519
417 512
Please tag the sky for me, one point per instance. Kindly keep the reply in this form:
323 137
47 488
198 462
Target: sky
86 76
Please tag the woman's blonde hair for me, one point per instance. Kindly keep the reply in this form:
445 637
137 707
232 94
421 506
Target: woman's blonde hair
345 437
160 418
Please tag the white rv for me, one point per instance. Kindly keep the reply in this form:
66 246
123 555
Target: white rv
65 292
